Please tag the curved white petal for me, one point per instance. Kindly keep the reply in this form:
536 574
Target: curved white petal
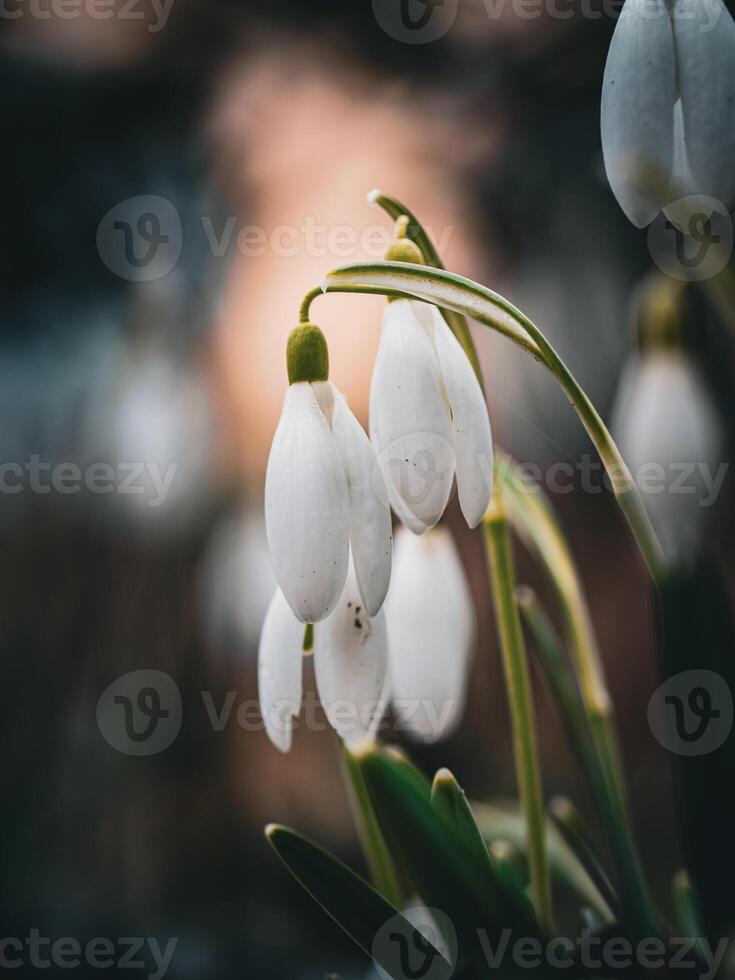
307 507
473 442
638 94
431 627
279 671
704 33
409 419
351 666
670 435
371 535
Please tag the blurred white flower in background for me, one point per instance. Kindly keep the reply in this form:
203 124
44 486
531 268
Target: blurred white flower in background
155 427
431 634
669 432
668 107
237 581
428 418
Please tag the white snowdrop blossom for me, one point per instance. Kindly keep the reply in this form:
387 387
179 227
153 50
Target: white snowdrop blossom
323 495
668 106
428 418
350 663
431 630
669 433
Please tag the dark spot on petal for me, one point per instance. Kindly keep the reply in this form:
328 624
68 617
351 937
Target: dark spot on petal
358 624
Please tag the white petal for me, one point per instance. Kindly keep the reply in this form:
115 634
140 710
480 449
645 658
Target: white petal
307 507
473 443
409 419
351 666
669 433
431 626
638 94
704 33
371 535
279 671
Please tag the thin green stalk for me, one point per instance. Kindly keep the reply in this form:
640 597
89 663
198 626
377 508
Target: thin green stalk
639 911
547 647
452 292
573 828
687 909
379 861
515 666
535 523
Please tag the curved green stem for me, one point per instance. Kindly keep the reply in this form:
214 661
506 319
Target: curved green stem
533 520
536 525
453 292
507 328
520 698
381 866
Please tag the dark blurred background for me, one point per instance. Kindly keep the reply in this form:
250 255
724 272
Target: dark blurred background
256 124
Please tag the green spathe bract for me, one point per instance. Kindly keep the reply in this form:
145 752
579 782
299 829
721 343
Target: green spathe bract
307 354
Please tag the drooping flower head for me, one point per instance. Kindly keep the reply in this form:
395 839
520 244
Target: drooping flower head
323 492
350 650
428 417
668 107
667 426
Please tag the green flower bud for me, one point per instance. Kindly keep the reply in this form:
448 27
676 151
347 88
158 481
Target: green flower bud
404 250
307 354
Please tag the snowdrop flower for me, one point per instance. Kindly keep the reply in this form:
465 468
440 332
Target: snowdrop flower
323 492
668 106
669 433
237 582
431 629
428 417
350 662
156 420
